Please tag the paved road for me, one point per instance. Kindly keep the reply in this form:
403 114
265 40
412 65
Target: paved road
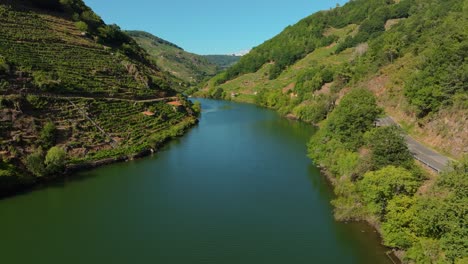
429 157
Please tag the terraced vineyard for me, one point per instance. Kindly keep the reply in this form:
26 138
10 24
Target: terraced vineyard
60 58
70 97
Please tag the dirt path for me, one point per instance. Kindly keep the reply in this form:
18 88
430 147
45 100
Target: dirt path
73 97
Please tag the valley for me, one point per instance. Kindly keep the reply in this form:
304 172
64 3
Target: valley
367 122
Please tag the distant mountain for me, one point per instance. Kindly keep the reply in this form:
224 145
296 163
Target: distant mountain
189 67
223 61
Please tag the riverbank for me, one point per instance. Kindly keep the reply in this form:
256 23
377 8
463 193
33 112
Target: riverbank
333 180
237 188
78 166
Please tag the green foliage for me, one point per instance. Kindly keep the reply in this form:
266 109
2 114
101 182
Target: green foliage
218 93
188 67
223 61
197 107
8 177
355 115
441 76
379 187
55 160
388 147
297 41
442 215
396 230
35 163
82 26
4 67
315 110
46 80
312 80
426 250
47 135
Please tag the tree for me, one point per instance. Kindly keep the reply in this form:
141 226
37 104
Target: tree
197 107
396 230
35 163
388 147
82 26
47 135
55 160
377 188
355 115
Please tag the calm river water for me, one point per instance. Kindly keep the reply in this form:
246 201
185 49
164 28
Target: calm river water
238 188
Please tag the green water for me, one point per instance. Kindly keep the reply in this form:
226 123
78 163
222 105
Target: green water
236 189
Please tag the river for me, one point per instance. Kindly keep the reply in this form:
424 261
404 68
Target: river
238 188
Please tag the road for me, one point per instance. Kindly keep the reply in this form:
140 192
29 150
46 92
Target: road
425 155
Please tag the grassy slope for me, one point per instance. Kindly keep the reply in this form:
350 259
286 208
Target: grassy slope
47 59
189 67
248 84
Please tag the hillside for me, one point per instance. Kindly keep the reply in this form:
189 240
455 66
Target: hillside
379 45
190 68
342 69
223 61
73 91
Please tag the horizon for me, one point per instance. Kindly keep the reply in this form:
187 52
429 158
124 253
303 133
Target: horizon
207 28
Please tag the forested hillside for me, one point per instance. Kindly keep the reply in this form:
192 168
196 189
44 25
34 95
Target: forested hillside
343 68
410 53
75 90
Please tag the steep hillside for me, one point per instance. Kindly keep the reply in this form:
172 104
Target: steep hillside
75 90
342 69
189 67
410 53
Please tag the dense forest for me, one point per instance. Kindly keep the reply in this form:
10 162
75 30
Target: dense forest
342 69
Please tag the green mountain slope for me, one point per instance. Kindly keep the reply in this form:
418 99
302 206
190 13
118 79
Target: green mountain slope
343 68
73 90
223 61
189 67
411 54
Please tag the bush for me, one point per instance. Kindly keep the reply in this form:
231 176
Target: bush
4 67
55 160
35 163
82 26
47 135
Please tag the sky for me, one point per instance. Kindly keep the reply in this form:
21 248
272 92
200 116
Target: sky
209 26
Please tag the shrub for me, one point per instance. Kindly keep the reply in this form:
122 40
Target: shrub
47 135
35 163
55 160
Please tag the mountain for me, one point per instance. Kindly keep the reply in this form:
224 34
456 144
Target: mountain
343 68
75 91
189 67
410 53
223 61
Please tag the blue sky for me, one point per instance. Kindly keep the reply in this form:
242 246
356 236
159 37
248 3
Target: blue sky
209 26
